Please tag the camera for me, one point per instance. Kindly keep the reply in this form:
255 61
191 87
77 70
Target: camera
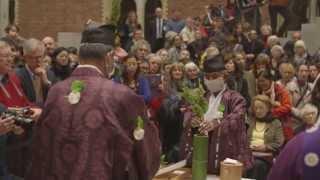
21 116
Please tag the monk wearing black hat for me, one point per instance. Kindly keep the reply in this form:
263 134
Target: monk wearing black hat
224 121
92 128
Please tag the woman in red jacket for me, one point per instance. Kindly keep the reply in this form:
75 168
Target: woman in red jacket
11 95
280 100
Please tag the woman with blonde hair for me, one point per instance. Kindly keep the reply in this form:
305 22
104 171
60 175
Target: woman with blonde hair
141 49
301 55
265 136
287 73
176 78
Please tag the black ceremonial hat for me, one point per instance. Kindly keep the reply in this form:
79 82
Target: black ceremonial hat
104 34
215 64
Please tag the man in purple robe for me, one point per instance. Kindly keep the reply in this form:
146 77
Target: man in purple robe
224 121
93 128
300 159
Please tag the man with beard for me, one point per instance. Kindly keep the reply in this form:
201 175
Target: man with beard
50 45
33 76
300 91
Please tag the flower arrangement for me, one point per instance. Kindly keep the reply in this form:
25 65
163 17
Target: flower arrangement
77 87
194 98
138 132
221 110
199 106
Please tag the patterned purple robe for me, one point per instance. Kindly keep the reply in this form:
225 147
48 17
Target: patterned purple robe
300 159
233 139
93 140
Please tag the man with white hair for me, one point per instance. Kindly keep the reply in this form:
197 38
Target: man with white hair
271 41
50 45
11 95
300 159
309 114
34 77
194 80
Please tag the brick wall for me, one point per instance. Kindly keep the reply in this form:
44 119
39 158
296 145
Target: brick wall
38 18
189 7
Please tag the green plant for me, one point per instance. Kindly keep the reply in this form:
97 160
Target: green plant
194 98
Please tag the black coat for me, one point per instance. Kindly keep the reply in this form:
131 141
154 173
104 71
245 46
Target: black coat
253 47
151 32
27 85
196 48
240 85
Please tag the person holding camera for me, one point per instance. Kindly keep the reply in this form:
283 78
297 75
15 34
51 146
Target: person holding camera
11 95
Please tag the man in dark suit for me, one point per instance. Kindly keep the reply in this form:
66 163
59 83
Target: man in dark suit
253 46
34 78
156 32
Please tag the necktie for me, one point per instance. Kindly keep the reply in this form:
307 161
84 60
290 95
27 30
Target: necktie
159 28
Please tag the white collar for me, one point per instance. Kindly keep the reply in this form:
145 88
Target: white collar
90 66
213 108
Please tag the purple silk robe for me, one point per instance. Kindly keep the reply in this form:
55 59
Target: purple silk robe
93 140
233 138
300 159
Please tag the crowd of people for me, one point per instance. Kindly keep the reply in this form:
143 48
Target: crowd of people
261 94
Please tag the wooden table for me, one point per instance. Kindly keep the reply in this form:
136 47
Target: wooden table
184 174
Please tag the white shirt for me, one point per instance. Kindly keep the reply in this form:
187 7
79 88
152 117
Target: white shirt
159 25
213 109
